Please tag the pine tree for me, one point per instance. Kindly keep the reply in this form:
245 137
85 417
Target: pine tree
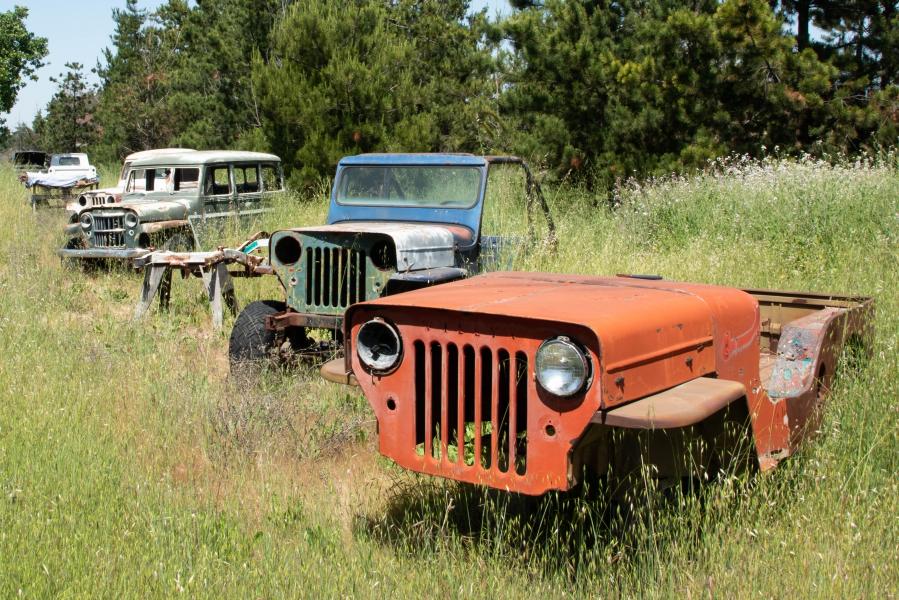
69 123
356 76
210 94
132 73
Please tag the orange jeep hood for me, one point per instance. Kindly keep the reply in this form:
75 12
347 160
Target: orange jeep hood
651 335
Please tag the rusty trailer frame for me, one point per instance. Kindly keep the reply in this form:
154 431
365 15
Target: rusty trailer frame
211 267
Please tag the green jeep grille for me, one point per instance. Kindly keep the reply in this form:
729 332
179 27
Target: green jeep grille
334 278
334 271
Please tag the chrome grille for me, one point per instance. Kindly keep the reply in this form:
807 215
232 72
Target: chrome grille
109 231
471 406
109 222
109 239
335 277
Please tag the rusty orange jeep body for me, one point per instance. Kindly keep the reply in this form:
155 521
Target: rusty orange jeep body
520 380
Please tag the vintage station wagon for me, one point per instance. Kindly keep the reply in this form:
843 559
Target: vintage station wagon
167 197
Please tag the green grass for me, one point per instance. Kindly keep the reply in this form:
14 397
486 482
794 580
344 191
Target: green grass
131 466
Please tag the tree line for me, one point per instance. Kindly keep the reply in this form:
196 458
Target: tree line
592 90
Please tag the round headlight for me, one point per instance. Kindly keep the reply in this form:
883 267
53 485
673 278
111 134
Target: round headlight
379 346
288 250
562 368
383 256
131 220
86 220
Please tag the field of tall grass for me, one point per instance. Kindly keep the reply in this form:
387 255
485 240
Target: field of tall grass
131 465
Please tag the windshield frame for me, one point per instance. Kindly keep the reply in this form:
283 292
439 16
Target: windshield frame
342 173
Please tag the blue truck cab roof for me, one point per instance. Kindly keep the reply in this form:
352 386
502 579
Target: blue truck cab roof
421 158
469 217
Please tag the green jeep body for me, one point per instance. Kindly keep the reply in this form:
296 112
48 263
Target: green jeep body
396 222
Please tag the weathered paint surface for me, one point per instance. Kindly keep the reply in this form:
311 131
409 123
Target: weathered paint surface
159 210
644 339
797 354
417 246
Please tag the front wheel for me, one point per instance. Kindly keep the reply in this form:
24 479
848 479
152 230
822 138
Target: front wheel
251 344
179 242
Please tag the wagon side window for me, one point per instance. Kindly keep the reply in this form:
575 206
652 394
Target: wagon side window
141 180
246 178
187 179
271 178
218 182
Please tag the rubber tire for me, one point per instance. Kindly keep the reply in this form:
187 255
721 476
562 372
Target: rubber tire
251 342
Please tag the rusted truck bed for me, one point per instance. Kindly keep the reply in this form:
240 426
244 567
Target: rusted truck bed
801 337
796 312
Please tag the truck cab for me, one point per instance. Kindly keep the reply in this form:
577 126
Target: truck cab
75 164
396 222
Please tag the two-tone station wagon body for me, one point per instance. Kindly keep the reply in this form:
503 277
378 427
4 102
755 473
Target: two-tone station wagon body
167 195
519 381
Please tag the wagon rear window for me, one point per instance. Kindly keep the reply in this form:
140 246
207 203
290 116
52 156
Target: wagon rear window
271 178
413 186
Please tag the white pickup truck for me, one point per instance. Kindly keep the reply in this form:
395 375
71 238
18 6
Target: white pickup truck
74 165
68 176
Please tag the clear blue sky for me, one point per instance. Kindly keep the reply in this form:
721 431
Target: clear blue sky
77 31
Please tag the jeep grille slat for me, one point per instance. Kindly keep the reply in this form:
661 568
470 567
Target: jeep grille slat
471 407
335 277
109 239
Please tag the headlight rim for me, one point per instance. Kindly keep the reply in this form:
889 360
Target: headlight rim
127 220
374 369
384 263
580 351
87 221
287 256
